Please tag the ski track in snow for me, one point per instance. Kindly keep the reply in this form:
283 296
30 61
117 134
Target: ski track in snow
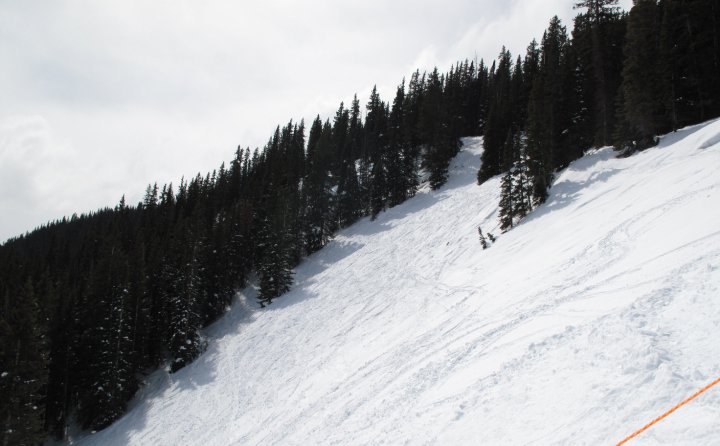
588 320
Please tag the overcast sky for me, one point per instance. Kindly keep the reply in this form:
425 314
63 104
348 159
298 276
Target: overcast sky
98 99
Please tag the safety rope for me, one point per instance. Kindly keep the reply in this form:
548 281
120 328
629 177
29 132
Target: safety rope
660 418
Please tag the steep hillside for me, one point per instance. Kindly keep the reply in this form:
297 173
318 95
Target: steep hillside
591 318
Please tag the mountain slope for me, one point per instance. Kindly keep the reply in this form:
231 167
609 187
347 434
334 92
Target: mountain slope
591 318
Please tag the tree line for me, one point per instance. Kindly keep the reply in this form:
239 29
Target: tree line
93 303
616 79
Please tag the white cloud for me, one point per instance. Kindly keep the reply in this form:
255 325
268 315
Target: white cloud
27 177
101 98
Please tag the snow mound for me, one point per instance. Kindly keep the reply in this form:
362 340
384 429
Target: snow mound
591 318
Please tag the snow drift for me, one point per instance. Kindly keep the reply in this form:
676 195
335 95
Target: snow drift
595 315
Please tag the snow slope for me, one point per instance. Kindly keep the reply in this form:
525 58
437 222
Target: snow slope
591 318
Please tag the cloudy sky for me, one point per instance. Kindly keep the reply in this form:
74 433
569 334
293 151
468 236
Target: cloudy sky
98 99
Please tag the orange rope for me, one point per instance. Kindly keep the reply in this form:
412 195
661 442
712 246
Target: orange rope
656 420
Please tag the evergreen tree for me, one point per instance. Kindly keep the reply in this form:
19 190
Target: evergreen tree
115 373
185 342
365 184
643 95
410 145
499 118
376 153
514 186
340 131
483 241
317 189
375 126
378 183
412 110
530 69
597 40
521 192
23 374
431 119
548 116
273 264
108 350
349 203
399 181
354 139
483 95
441 144
690 58
506 208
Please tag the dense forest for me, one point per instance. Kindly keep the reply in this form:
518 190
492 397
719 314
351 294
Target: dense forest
92 304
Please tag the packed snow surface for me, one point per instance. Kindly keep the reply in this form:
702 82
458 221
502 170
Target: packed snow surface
594 316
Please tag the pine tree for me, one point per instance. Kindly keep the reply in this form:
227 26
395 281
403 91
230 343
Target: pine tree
376 153
185 342
506 208
483 241
23 374
378 186
506 211
355 183
375 126
440 142
531 68
413 108
365 184
273 265
107 346
597 40
399 177
349 203
339 139
355 132
548 116
238 261
411 140
643 97
690 59
499 118
521 192
318 198
115 382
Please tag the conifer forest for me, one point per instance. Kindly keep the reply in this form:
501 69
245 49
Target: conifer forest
91 304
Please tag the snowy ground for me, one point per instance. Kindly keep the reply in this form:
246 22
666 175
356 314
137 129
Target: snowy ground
594 316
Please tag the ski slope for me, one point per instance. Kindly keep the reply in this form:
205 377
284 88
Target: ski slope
591 318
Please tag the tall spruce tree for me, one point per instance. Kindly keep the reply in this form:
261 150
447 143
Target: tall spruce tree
642 89
441 142
376 153
690 53
499 118
506 209
597 40
115 373
400 176
521 187
548 116
186 292
318 199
